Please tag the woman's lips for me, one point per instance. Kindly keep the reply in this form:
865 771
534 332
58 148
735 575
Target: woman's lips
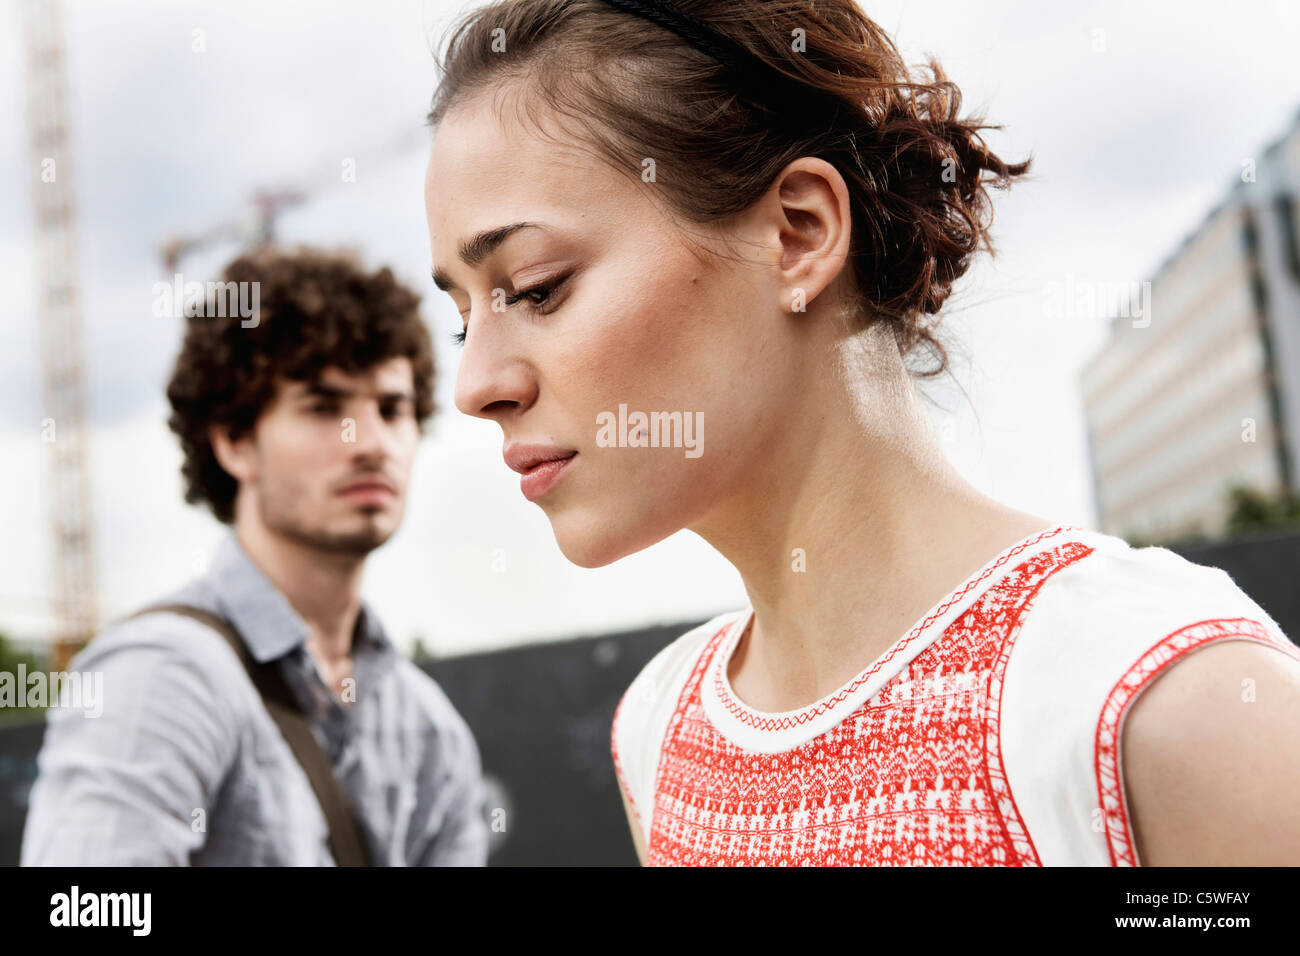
541 478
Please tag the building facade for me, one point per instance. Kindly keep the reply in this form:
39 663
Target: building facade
1202 390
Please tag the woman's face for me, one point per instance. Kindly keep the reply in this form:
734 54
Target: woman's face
634 323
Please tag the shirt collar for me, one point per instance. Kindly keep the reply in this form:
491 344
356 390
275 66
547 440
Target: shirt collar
269 625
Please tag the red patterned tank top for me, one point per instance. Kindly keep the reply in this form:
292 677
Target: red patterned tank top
986 735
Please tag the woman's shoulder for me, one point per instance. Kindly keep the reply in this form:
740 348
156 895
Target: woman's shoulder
656 689
1099 632
670 667
1104 626
1128 598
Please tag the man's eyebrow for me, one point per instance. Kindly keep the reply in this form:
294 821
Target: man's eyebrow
478 247
320 390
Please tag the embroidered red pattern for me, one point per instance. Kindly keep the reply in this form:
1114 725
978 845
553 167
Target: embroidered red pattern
1110 788
746 716
912 776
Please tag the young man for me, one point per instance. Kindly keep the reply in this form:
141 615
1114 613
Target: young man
298 428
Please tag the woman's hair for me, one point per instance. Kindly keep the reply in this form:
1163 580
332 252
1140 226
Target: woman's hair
315 309
916 172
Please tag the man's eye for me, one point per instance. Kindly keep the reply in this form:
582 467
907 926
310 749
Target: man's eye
320 408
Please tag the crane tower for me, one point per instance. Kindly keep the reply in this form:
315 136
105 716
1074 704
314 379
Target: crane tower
58 306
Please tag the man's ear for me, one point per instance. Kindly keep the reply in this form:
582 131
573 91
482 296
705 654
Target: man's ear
235 456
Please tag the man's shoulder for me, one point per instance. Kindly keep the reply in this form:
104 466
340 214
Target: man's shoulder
135 653
164 633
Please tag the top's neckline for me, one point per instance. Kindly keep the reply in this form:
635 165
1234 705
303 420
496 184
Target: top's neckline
775 731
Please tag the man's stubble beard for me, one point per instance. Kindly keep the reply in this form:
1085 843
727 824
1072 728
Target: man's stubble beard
276 506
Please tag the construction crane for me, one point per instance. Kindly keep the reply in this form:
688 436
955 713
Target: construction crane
253 230
58 304
268 202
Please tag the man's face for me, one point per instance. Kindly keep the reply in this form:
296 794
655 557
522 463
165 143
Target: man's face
330 461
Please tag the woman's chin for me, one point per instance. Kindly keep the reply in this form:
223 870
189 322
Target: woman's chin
594 541
588 550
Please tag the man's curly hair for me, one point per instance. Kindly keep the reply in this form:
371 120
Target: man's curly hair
315 309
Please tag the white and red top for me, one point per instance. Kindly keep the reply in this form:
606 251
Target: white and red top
989 734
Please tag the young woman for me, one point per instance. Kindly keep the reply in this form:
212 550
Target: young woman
747 215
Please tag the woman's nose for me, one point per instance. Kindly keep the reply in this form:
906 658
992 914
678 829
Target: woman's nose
493 380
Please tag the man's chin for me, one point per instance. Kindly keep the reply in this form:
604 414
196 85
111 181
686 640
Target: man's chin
354 541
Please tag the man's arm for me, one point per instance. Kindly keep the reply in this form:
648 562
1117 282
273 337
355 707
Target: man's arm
1212 760
456 832
134 786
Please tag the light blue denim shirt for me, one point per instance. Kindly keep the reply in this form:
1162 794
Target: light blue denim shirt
185 767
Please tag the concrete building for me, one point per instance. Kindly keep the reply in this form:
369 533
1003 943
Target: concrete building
1201 389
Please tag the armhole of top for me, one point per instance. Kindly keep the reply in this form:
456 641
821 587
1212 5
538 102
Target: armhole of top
619 773
1156 661
644 713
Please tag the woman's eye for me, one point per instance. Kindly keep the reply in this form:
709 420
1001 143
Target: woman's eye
534 300
535 304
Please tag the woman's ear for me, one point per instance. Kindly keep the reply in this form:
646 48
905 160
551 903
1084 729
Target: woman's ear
813 216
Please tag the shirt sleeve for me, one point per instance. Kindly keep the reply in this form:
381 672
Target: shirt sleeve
450 823
133 784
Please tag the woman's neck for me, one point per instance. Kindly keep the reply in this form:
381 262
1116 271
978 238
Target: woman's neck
847 534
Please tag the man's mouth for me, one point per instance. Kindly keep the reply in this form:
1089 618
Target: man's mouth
376 492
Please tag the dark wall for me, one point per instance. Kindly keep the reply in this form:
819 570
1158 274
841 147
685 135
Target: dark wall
19 744
542 717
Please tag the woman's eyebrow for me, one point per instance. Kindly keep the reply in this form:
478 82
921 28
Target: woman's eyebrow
478 247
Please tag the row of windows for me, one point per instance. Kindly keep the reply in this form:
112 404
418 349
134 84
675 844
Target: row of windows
1203 502
1181 290
1157 355
1181 406
1186 461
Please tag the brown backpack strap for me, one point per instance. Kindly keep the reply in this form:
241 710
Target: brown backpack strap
345 838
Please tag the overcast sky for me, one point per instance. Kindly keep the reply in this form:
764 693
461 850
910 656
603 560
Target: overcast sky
1138 116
